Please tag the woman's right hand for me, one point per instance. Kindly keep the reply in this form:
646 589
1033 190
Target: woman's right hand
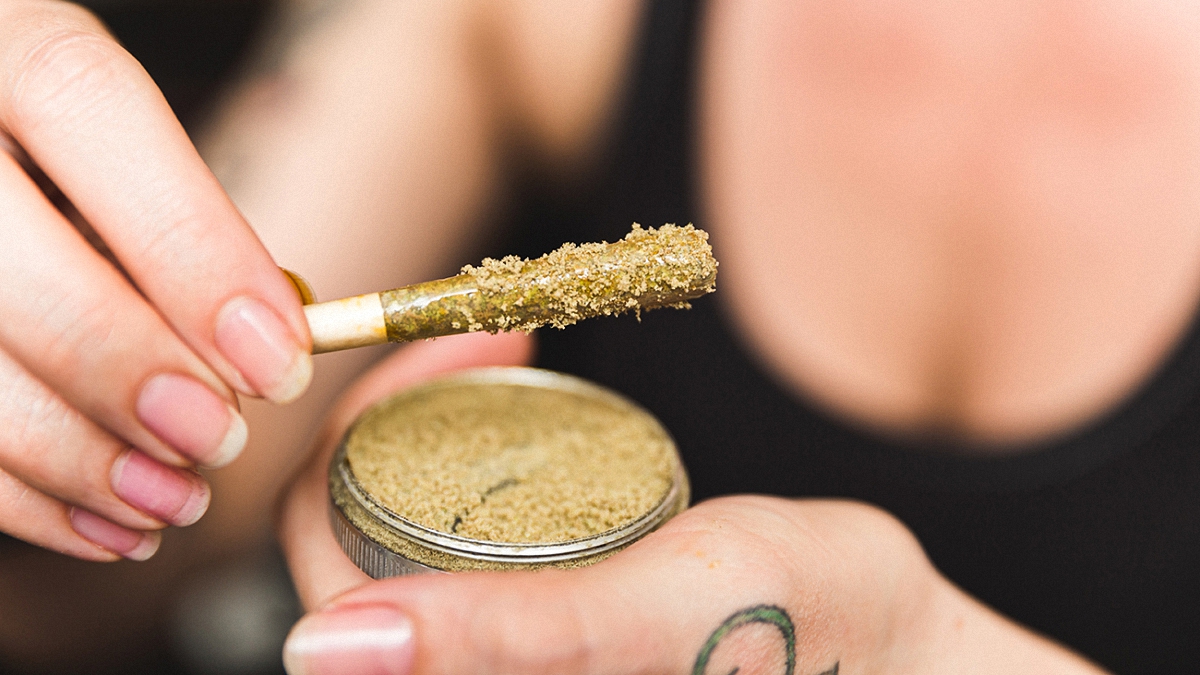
118 369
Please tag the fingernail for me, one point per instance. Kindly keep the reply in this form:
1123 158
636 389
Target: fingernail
192 419
172 495
112 537
361 639
260 345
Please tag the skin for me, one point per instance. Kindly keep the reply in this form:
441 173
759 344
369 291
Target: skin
990 208
845 586
993 204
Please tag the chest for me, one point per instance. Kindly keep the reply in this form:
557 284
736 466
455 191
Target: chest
980 220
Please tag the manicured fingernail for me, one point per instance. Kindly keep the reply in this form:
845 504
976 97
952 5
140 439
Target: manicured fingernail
192 419
172 495
358 640
112 537
260 345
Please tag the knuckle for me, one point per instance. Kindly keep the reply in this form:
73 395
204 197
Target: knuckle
77 334
39 421
30 515
65 71
874 539
177 235
881 525
29 414
14 493
538 630
42 439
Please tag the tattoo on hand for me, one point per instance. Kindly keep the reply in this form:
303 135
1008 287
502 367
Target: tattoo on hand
766 614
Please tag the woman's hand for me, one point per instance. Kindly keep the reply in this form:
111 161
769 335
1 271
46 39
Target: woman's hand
136 299
742 584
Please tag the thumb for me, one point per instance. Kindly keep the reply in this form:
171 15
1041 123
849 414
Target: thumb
694 597
530 623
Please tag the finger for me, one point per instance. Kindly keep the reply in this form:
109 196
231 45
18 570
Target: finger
93 121
547 622
44 521
611 618
10 147
319 568
54 449
75 323
653 608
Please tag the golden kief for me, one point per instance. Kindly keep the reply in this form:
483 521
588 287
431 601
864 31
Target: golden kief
649 268
503 468
510 463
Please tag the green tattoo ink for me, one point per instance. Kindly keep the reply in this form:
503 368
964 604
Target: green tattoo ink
768 614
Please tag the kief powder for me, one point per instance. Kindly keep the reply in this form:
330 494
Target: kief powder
647 269
504 467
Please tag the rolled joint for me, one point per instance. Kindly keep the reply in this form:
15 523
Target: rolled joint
436 308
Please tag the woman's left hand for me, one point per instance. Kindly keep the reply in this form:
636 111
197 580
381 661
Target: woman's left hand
742 584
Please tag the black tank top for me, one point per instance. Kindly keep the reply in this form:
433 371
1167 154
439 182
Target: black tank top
1092 539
